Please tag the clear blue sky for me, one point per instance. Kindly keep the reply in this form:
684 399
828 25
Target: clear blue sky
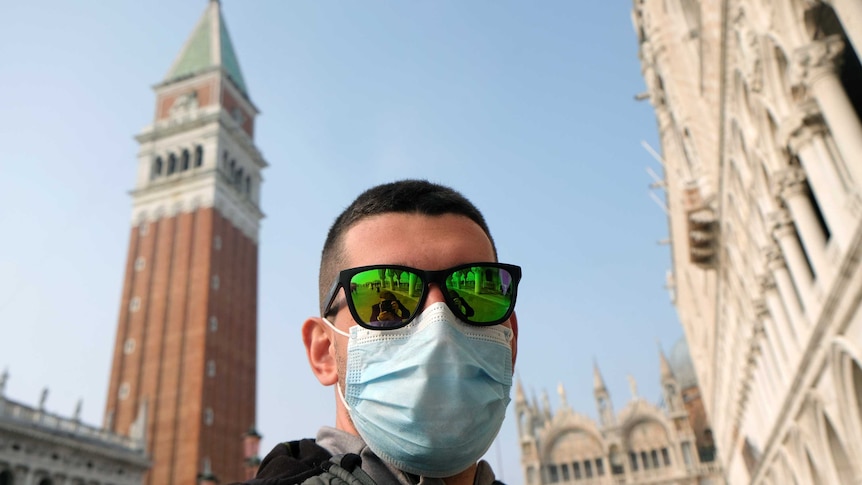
526 107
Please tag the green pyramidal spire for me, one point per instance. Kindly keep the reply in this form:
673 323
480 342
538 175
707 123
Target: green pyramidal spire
208 47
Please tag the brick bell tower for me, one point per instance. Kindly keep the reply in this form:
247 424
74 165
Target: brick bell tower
184 364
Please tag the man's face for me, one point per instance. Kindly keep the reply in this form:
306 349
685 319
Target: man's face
418 241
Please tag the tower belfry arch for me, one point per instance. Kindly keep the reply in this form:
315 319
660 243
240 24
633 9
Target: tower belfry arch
186 342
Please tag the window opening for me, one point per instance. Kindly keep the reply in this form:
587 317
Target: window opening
199 156
172 163
157 167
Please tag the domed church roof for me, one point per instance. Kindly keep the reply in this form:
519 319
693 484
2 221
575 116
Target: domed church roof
682 365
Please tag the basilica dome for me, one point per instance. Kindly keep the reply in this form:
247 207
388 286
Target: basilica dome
681 364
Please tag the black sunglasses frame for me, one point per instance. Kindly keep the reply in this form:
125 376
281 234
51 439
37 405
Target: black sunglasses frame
438 277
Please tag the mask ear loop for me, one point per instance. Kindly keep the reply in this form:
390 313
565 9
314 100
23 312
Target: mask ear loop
333 327
341 396
338 384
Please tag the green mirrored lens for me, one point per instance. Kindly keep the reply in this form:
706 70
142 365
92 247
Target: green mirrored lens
482 293
386 296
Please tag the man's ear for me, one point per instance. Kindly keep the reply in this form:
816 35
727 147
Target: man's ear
513 320
320 349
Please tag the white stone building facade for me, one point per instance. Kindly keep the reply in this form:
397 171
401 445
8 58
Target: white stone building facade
41 448
758 106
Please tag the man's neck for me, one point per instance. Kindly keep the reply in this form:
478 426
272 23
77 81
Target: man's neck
467 477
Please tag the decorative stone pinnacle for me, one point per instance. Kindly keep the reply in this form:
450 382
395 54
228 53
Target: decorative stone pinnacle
43 399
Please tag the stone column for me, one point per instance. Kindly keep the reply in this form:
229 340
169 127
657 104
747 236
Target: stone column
814 67
800 283
23 475
785 299
782 327
794 191
776 341
767 396
767 359
806 139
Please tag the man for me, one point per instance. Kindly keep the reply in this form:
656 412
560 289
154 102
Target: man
421 398
388 308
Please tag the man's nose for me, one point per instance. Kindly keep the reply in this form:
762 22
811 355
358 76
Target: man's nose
435 295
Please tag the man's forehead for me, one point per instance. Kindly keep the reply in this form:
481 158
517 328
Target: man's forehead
400 237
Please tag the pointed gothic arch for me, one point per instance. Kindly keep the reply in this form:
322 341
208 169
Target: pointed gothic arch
777 92
790 466
846 367
842 463
568 436
744 103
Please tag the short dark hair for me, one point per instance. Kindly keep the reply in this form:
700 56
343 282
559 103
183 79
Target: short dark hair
403 196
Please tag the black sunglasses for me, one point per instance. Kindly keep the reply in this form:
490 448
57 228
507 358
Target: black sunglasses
387 296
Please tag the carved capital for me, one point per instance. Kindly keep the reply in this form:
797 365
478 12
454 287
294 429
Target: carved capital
781 227
759 330
783 230
816 59
774 261
767 283
801 126
789 183
779 217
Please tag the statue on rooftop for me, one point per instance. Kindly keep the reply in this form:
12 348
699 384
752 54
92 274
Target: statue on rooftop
3 378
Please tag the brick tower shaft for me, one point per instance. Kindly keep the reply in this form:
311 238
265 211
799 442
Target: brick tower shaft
184 365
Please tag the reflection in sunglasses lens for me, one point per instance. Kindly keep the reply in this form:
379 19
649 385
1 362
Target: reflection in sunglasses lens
389 297
481 294
384 297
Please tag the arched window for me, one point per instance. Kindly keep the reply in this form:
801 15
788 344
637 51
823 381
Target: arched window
185 159
237 179
46 481
248 185
172 163
6 477
224 157
616 461
157 167
199 156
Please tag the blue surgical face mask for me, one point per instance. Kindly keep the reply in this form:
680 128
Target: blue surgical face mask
430 397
